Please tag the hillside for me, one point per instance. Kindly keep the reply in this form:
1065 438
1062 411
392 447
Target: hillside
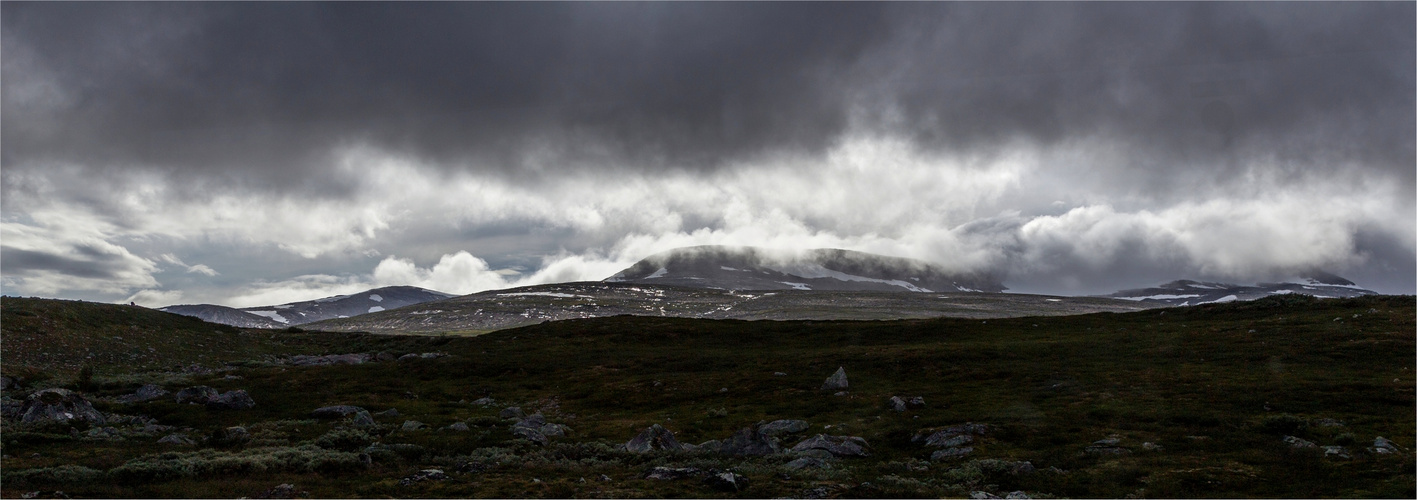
753 268
299 313
1188 292
499 309
1226 400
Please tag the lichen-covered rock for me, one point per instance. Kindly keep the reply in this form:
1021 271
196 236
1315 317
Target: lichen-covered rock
59 405
840 446
655 437
232 400
836 382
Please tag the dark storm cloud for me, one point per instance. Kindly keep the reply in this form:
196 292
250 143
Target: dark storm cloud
21 262
263 91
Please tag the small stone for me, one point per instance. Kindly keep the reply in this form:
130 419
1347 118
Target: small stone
512 412
180 439
671 473
1336 452
486 401
897 404
1150 446
337 411
916 402
727 482
655 437
779 374
1299 443
412 425
1383 445
458 426
232 400
362 419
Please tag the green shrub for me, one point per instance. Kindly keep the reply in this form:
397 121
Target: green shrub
63 474
344 439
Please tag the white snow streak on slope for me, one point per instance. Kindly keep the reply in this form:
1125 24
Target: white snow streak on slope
270 314
375 309
796 286
817 271
375 297
1227 298
660 272
1163 297
726 268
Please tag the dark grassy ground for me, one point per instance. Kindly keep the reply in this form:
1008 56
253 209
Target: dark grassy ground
1217 387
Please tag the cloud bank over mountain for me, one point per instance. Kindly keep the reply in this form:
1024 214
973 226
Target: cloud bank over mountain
247 154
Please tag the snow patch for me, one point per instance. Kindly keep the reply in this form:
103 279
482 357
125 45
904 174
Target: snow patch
432 311
726 268
1163 297
661 272
285 306
796 286
270 314
375 297
818 271
376 309
1054 300
1227 298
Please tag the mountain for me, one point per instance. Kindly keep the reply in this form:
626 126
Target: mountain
753 268
499 309
1189 293
299 313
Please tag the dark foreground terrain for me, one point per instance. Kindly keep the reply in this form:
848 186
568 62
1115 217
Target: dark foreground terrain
1282 397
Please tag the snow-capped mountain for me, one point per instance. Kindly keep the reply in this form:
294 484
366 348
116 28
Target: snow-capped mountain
1190 293
299 313
753 268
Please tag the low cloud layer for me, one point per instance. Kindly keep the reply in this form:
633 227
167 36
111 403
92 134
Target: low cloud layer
250 154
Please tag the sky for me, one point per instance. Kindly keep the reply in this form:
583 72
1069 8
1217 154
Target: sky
259 153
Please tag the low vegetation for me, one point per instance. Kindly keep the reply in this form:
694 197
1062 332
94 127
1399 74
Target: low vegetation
1204 401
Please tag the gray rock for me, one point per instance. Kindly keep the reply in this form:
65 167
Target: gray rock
916 402
458 426
1150 446
147 392
951 453
1336 452
231 436
841 446
196 395
232 400
836 382
408 357
59 405
780 427
655 437
807 463
727 482
486 401
412 425
1017 495
177 438
981 495
896 404
424 475
1108 446
530 429
362 419
672 473
712 445
1299 443
512 412
390 413
749 441
1384 446
949 436
337 411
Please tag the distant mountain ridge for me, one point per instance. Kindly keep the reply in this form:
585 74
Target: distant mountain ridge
823 269
1190 293
299 313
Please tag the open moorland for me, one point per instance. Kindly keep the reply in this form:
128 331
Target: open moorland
1287 396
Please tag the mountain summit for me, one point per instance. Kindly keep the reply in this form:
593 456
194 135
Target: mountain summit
754 268
299 313
1188 293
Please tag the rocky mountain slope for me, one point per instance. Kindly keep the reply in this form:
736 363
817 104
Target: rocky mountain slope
299 313
753 268
1189 293
498 309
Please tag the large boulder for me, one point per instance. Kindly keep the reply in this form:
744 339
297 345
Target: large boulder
147 392
59 405
196 395
537 430
655 437
839 446
954 435
232 400
836 382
